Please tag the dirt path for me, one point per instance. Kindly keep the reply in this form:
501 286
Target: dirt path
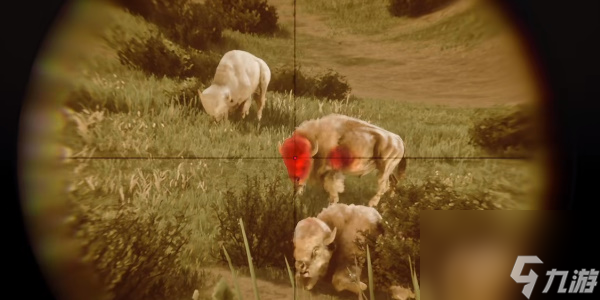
415 71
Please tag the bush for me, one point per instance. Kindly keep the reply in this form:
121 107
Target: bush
247 16
204 65
401 237
196 26
144 8
415 8
136 250
282 81
268 216
332 86
511 132
329 84
157 56
188 23
154 56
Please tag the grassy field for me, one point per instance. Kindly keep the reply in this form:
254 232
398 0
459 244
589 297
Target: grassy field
125 113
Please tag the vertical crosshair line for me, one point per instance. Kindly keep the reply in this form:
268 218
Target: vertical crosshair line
294 109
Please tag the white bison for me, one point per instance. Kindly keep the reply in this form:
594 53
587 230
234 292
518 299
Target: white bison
238 76
325 149
325 247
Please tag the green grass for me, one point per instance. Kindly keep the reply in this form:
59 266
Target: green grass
355 16
464 29
365 17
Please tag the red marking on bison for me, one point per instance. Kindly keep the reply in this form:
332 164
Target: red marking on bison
296 152
340 158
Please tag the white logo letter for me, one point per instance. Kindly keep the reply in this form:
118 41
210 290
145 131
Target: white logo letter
529 279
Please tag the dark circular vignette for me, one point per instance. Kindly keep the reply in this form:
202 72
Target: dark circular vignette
521 16
62 275
26 27
517 12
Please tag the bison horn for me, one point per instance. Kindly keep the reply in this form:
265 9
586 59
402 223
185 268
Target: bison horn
315 150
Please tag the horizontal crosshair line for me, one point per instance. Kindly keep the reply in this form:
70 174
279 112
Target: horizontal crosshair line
279 157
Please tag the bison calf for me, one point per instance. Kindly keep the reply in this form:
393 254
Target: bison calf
325 247
326 149
238 75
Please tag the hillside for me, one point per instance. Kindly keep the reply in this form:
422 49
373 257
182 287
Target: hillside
463 55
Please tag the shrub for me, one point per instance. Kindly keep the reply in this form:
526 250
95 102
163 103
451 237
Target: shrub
247 16
196 26
268 215
283 81
154 57
332 86
511 132
204 65
186 22
401 237
158 56
135 250
415 8
329 84
143 8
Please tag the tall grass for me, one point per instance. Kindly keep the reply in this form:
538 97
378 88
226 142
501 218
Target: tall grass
370 274
291 275
234 274
415 280
250 265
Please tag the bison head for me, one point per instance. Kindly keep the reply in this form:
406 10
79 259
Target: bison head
216 102
297 153
313 247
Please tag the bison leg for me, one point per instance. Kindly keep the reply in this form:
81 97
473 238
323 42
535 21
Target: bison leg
265 78
383 180
262 99
348 279
334 184
246 107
